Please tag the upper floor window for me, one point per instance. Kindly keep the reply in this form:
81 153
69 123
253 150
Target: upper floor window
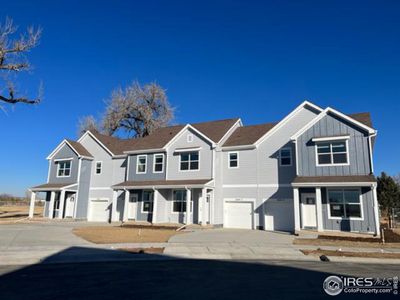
332 153
141 165
98 167
158 163
233 159
344 203
285 157
64 168
189 161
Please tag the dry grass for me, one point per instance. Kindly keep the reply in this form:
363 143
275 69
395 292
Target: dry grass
344 243
13 213
143 250
328 253
116 234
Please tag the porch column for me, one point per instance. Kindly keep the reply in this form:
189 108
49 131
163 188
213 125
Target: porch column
203 215
51 204
188 199
62 201
114 217
376 211
154 218
318 203
126 202
296 200
32 205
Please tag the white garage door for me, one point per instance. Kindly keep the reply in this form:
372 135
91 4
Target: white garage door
238 214
99 210
279 215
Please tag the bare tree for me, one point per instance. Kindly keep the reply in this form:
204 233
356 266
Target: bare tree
87 123
138 110
13 59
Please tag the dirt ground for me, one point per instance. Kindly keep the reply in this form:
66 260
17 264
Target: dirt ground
328 253
143 250
344 243
117 234
13 213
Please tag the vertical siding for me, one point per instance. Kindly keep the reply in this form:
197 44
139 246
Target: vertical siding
64 152
83 190
205 153
332 126
149 175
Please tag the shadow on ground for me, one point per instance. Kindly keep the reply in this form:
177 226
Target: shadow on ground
151 276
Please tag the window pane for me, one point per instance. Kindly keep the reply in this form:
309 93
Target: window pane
323 148
142 160
177 207
68 164
285 161
158 167
233 156
324 159
67 172
184 166
184 157
142 168
285 153
233 163
339 147
337 210
351 196
353 210
159 159
340 158
335 196
194 165
194 156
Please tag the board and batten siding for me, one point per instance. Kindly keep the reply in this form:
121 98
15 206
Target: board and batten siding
333 126
149 175
83 190
365 225
65 152
205 156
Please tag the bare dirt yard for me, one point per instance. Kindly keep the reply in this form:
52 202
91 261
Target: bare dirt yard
118 234
320 252
16 212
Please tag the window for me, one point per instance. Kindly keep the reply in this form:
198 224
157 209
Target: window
189 161
98 167
189 138
332 153
179 201
233 160
147 198
344 203
158 163
285 157
64 168
141 165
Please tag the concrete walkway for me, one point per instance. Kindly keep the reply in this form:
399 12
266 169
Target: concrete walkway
234 244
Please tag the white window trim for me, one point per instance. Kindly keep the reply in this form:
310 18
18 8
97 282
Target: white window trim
137 164
229 159
180 161
154 162
143 201
101 167
291 157
58 168
345 218
184 201
331 153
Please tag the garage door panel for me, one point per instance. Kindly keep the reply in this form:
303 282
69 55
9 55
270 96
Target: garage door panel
279 215
99 210
238 214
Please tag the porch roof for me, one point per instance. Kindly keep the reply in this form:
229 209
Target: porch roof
354 180
162 184
53 186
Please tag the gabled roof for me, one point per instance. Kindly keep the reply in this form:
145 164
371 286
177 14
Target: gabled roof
248 135
52 186
115 145
215 130
363 117
78 148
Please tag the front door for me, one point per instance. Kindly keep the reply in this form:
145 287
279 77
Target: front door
132 206
69 206
308 211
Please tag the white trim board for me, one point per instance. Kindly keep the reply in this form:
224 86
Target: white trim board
272 185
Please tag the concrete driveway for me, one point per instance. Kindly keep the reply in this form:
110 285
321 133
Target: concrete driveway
234 244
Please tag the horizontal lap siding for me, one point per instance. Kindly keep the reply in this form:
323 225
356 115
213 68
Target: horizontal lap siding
332 126
64 152
149 175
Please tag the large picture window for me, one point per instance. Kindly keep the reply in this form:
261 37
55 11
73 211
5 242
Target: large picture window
179 201
332 153
344 203
147 198
189 161
64 168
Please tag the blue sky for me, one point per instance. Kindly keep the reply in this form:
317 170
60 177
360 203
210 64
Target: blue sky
217 59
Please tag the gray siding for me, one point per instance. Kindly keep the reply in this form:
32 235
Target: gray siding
205 153
149 175
83 190
366 225
332 126
64 152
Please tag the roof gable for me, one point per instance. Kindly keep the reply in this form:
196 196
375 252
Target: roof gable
76 147
248 135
